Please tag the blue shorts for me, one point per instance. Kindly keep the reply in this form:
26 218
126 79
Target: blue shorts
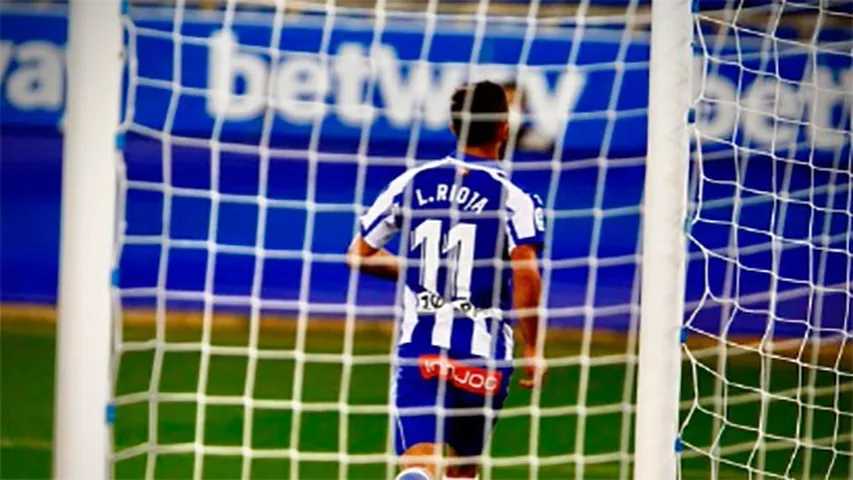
467 384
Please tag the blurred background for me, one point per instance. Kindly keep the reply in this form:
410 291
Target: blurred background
582 100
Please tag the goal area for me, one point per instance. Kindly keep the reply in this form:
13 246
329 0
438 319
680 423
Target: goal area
695 166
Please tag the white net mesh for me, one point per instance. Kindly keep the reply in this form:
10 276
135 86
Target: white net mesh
256 132
769 386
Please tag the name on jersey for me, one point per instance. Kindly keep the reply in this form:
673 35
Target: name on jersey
466 199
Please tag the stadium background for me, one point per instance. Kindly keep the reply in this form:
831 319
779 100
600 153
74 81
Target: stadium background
592 90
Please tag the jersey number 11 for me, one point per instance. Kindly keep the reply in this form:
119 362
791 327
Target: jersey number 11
457 251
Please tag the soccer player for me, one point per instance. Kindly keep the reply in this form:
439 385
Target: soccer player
463 222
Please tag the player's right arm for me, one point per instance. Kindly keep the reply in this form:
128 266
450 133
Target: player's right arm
376 227
371 260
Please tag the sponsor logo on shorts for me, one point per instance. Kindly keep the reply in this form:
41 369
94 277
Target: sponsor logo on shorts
475 380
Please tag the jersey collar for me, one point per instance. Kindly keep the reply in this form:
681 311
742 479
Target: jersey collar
478 161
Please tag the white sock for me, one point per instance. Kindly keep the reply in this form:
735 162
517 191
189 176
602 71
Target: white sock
413 473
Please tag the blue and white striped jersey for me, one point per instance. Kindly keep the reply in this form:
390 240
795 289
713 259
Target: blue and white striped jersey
460 219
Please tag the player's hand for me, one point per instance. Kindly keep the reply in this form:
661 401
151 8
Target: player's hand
535 371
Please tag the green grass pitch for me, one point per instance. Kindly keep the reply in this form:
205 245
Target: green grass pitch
27 396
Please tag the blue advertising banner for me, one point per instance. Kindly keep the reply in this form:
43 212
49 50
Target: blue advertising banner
342 86
586 88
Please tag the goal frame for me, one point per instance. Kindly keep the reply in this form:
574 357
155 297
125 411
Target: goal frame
90 161
664 242
82 446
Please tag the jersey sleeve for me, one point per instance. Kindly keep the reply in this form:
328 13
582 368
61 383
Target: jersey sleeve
526 223
381 221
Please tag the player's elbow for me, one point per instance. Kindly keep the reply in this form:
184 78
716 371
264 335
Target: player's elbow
529 283
358 251
525 265
529 277
353 258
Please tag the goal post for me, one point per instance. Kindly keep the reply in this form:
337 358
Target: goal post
664 241
83 381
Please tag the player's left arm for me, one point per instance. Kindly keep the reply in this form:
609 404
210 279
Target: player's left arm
526 291
527 231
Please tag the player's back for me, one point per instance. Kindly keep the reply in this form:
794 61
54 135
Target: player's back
459 221
455 216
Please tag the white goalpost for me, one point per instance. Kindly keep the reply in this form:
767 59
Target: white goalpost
89 178
694 163
664 241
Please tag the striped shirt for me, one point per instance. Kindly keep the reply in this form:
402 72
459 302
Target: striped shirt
459 219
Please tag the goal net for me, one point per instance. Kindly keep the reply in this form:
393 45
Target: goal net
256 132
768 385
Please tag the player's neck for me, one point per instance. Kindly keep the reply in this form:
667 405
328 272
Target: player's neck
491 152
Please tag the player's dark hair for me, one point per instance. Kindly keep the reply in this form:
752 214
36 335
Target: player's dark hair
482 99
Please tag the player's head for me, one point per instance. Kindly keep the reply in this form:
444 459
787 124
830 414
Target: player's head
478 113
